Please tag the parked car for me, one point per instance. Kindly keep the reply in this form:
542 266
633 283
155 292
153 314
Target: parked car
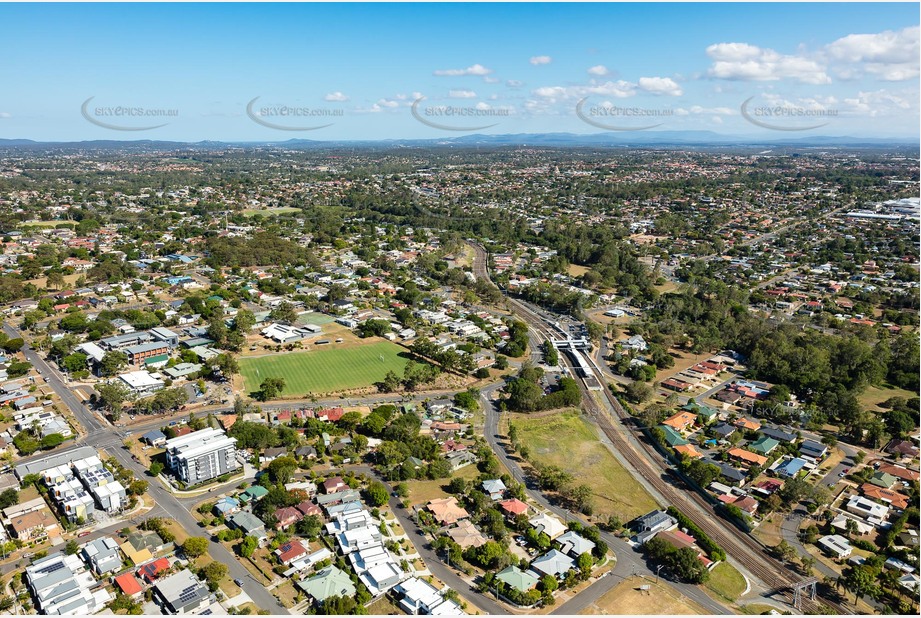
84 533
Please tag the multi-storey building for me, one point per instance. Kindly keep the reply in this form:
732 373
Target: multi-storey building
201 455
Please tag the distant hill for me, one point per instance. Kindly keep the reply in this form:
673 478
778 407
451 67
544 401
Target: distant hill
608 139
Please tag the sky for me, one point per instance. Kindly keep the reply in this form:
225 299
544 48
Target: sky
241 72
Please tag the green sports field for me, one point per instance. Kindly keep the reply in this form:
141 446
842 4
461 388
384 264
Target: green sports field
324 370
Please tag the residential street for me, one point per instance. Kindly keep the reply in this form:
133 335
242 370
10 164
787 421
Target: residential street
629 562
100 436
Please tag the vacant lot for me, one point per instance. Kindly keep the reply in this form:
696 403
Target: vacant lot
268 212
421 492
726 581
325 370
873 396
627 598
570 442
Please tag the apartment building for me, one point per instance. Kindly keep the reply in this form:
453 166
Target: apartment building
201 455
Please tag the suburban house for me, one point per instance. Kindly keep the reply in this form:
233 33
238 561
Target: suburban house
574 545
328 582
494 488
554 563
813 449
447 511
182 593
249 524
513 507
522 581
547 524
835 545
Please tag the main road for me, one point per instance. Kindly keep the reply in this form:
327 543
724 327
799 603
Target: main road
85 417
103 436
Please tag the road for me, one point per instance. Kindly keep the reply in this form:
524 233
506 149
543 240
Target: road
629 562
102 436
646 463
83 415
432 561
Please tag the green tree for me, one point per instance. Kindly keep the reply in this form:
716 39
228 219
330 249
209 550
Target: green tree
284 312
75 362
699 471
227 364
155 468
8 498
270 388
113 397
585 562
71 547
377 493
112 362
244 321
248 546
195 546
548 583
281 469
213 573
310 526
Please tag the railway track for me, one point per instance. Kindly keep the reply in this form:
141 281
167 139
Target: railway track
747 550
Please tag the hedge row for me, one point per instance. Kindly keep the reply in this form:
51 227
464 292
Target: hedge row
714 551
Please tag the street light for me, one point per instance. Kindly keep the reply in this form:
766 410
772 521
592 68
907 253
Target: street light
658 568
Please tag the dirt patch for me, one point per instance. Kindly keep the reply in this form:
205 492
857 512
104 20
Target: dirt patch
659 599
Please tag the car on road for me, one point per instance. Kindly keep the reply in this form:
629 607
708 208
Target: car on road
83 534
238 582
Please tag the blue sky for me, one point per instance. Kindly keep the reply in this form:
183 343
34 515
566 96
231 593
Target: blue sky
852 68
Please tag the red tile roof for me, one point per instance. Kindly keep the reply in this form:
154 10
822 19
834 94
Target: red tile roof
514 506
291 551
309 508
128 584
149 571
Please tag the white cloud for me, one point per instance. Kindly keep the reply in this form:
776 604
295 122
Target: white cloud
598 69
660 85
698 110
462 94
890 55
618 89
744 62
491 80
538 60
877 103
476 69
6 115
514 83
335 96
385 104
483 106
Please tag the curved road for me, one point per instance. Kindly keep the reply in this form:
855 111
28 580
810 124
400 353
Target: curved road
629 562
